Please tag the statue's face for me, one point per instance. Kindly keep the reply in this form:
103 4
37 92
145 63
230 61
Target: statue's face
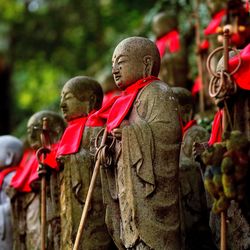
71 107
127 66
34 130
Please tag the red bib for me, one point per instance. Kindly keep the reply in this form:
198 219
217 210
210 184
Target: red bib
170 41
5 172
114 112
25 172
72 136
214 23
242 76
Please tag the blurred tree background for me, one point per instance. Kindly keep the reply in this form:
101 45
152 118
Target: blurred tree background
45 42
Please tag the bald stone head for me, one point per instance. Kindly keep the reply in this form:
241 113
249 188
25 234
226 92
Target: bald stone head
80 95
134 58
56 126
11 151
185 103
163 23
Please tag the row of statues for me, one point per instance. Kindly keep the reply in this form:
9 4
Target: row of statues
149 193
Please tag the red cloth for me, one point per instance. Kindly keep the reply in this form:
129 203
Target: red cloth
242 76
204 45
26 171
196 86
215 22
216 134
5 172
170 41
50 159
114 112
236 39
188 125
72 136
109 95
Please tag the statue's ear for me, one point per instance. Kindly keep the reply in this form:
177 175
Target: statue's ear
9 159
92 102
148 62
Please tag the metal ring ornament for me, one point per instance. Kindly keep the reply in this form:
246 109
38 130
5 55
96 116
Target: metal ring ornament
42 151
103 151
213 92
214 52
99 135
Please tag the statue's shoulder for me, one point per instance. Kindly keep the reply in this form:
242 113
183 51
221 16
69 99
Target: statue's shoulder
157 88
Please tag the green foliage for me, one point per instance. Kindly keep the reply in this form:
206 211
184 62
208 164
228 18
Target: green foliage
49 42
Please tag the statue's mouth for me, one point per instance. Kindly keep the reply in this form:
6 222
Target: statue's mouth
117 78
64 110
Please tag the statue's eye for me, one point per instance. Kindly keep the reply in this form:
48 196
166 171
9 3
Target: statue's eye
68 96
36 128
121 62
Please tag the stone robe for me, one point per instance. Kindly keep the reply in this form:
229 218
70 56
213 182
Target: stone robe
6 232
141 190
74 183
26 221
53 211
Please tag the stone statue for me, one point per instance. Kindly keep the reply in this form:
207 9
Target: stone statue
11 150
174 64
56 127
25 188
141 186
195 213
80 97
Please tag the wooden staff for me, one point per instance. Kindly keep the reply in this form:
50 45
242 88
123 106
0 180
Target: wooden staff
223 229
42 173
89 194
223 225
199 57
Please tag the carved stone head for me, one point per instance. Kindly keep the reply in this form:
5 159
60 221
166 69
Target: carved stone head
11 151
80 95
134 58
163 23
185 103
56 126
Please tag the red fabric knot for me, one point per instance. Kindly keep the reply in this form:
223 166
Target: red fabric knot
216 133
215 22
170 41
